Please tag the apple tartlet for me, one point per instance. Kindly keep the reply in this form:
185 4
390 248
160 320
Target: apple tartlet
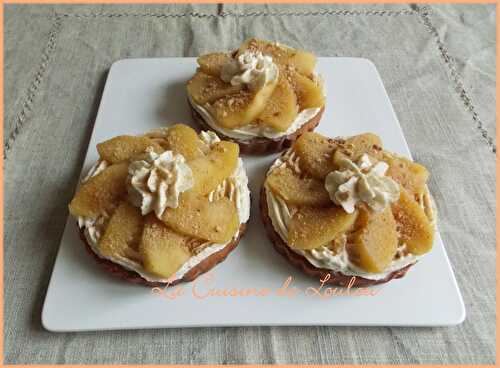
262 95
349 209
163 207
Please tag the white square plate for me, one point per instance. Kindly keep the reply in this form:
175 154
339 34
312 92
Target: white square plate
142 94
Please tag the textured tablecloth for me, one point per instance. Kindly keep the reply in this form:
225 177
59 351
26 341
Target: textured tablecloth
438 65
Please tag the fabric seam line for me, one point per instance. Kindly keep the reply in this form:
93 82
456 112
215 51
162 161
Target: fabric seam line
33 87
455 77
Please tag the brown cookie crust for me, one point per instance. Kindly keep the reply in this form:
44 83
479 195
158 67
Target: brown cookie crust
261 145
204 266
336 278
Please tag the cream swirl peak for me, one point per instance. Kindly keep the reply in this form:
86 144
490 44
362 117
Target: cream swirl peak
362 181
209 138
250 68
155 181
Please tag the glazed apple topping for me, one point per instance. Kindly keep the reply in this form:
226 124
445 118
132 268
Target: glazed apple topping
261 83
353 189
154 193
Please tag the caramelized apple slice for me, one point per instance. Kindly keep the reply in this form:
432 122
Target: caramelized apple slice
413 225
122 235
410 175
309 94
354 147
242 108
315 151
212 63
210 170
204 88
312 227
101 192
196 216
301 60
281 109
163 250
376 242
124 147
284 182
183 140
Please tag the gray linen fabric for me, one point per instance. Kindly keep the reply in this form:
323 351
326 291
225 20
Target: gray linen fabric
438 65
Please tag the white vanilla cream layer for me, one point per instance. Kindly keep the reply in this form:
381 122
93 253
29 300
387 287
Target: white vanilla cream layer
236 185
137 267
252 130
323 257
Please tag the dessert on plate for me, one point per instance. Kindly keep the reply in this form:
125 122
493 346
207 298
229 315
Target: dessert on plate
348 208
262 95
163 207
